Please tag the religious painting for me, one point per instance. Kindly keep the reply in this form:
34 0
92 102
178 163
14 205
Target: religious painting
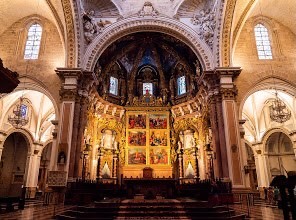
137 121
137 156
158 121
137 138
158 138
158 156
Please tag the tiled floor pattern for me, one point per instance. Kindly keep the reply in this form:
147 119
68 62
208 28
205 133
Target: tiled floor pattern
35 213
257 212
48 212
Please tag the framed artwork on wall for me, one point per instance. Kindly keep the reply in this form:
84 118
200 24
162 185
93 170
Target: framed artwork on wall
137 156
158 156
137 121
158 121
137 138
158 138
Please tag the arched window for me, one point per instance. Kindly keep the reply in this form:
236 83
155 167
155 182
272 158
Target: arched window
181 83
113 86
147 88
262 42
33 42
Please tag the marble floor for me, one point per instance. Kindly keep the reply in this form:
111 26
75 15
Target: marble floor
48 212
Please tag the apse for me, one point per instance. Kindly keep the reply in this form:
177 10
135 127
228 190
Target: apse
150 62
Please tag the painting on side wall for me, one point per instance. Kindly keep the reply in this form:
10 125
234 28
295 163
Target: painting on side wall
137 138
158 121
158 156
158 138
137 121
137 156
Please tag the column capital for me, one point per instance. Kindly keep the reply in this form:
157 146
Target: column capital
228 72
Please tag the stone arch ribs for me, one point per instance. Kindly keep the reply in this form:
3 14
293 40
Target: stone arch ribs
71 49
226 45
162 24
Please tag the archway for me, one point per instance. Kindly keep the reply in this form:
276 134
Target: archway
13 164
279 150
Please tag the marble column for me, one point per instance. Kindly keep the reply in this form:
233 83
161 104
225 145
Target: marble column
231 125
69 90
218 165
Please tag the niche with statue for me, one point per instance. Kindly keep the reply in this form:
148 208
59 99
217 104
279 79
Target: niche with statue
108 155
188 154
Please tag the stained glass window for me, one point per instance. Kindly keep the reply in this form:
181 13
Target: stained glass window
262 42
24 110
147 88
33 42
181 85
113 86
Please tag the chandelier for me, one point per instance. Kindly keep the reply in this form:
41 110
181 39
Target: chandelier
19 117
279 111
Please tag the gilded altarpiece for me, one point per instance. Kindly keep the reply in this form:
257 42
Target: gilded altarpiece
147 143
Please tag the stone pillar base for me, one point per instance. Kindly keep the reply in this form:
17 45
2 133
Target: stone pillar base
30 192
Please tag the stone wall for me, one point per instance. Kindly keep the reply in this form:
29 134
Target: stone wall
51 54
283 43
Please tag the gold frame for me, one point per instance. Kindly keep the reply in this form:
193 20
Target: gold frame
148 131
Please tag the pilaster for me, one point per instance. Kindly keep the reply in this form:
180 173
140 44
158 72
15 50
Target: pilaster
231 124
68 92
31 177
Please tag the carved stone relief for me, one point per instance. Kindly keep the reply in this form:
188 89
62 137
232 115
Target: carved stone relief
206 23
91 26
148 10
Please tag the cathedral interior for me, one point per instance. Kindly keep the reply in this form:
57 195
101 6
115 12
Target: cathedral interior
138 93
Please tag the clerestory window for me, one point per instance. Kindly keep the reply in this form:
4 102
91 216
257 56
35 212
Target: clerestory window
262 42
33 42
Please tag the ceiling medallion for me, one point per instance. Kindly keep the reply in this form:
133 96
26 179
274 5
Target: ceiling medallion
279 111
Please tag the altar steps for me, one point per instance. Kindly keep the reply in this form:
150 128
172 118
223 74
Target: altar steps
150 209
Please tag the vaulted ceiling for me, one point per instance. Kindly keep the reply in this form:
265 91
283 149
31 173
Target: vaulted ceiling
282 11
13 10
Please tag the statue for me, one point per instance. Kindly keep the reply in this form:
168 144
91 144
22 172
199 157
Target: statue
89 27
197 68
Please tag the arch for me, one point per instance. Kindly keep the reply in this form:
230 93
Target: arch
132 25
28 136
35 85
272 131
268 83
